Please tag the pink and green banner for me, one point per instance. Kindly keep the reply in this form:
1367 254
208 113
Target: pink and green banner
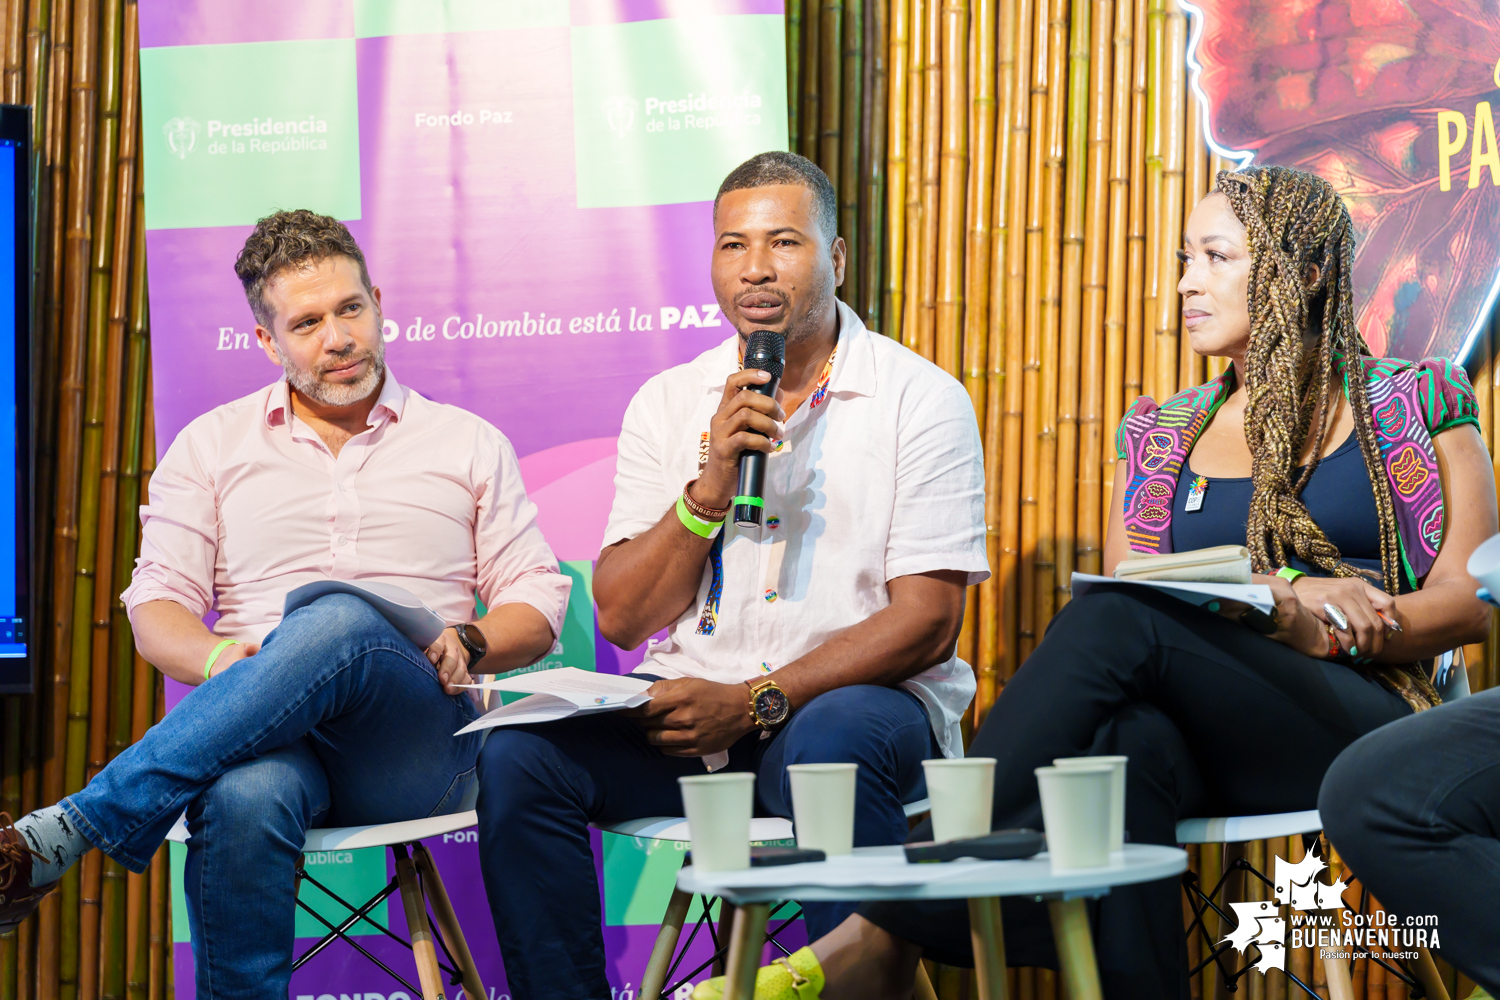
531 181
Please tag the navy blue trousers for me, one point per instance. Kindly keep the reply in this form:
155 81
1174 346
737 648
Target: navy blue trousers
541 786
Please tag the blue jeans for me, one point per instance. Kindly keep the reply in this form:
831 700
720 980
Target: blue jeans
540 787
339 720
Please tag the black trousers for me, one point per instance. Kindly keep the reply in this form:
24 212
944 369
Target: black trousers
1415 811
1216 720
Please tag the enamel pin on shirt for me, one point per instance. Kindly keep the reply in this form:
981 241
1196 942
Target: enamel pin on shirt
1196 489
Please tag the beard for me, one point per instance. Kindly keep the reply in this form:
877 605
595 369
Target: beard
309 381
810 323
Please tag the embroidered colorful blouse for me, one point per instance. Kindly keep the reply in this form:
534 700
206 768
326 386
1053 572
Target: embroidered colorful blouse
1411 401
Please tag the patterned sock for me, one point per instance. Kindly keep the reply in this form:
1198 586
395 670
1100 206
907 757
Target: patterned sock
52 834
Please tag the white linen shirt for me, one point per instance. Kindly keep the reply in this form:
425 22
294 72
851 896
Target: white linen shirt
884 479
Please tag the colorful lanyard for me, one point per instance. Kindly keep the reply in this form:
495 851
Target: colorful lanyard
709 617
820 391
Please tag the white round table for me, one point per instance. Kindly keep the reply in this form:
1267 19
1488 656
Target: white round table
882 873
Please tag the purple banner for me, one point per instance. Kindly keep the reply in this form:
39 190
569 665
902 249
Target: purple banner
531 185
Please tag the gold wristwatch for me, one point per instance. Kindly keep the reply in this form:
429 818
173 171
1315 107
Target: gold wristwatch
769 705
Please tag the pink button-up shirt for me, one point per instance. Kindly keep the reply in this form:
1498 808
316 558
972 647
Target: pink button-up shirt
249 503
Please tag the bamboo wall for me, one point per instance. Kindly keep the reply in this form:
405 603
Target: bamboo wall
1025 168
1013 179
105 933
1013 176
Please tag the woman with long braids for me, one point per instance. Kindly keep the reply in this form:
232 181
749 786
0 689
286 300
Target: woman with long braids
1338 471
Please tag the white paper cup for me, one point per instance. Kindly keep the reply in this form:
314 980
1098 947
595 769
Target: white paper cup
1075 812
962 791
823 806
1116 793
718 808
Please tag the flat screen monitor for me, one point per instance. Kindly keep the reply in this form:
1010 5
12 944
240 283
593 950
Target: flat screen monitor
16 673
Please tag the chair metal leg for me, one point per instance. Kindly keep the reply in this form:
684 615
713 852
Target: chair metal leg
655 976
447 921
989 948
1425 971
428 972
746 941
1075 949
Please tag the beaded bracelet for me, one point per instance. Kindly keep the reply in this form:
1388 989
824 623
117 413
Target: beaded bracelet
706 513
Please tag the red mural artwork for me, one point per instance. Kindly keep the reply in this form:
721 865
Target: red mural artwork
1391 101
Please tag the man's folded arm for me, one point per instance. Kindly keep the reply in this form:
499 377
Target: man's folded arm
172 587
651 567
176 642
524 592
524 622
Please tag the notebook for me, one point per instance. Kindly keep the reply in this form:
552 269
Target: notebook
1216 564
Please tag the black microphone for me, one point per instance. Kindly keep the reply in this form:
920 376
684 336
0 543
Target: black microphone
766 352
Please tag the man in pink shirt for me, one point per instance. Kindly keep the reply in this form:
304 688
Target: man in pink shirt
330 717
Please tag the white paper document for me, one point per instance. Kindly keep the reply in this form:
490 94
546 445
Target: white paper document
401 607
558 694
1255 594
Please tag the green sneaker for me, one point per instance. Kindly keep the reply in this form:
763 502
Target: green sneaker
797 978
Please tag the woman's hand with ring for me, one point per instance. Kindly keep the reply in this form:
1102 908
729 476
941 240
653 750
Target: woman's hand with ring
1362 632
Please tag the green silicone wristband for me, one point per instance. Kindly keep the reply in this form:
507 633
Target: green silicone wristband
1290 575
751 501
215 654
694 523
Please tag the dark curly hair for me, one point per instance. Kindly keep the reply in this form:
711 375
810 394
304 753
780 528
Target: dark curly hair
295 240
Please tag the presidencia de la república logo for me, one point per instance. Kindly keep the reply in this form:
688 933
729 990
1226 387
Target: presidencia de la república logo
182 136
649 130
1318 918
227 154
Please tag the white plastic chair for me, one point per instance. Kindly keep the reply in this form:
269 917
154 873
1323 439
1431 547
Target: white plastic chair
1451 679
421 888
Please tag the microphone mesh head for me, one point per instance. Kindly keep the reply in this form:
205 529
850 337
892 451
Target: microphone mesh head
767 352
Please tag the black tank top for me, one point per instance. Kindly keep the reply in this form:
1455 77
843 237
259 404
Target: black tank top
1339 497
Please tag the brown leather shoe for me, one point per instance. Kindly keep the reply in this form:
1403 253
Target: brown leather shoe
18 897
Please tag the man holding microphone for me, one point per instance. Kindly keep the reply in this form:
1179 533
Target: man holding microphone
826 634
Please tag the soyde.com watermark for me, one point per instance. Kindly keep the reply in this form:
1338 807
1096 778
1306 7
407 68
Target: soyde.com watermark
1341 934
1319 919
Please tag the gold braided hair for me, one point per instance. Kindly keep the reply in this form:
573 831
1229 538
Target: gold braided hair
1298 324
